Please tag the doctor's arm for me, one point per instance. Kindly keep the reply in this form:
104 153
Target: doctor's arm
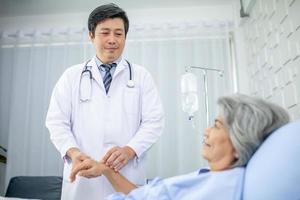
152 118
58 120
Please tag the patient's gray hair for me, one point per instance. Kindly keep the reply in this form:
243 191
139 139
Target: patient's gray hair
250 121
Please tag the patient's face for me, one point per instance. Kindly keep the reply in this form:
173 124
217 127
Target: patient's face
217 146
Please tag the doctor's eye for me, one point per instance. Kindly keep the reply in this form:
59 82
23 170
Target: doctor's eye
104 33
119 34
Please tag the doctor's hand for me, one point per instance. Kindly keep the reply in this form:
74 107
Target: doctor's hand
89 168
76 156
117 157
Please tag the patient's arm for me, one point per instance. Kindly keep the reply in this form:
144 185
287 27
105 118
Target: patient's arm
119 182
91 168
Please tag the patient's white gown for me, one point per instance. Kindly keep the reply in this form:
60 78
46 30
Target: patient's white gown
202 184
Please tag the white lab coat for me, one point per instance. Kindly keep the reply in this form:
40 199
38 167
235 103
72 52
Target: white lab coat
125 116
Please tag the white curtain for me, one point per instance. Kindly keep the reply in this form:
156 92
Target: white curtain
31 63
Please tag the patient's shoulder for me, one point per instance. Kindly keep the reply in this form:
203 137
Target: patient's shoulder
237 172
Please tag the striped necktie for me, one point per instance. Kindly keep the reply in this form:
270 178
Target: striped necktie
107 77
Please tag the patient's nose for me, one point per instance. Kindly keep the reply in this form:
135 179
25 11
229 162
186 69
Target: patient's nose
206 132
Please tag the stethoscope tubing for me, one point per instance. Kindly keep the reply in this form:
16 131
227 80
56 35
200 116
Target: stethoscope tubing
91 75
130 83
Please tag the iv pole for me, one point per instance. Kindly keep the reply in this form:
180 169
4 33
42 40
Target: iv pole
204 71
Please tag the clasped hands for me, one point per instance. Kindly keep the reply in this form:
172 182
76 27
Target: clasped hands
116 158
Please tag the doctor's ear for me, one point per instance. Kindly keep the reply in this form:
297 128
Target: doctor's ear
91 35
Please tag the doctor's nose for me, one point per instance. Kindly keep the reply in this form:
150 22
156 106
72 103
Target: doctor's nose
111 39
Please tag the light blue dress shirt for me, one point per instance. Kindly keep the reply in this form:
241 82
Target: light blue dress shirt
203 184
102 70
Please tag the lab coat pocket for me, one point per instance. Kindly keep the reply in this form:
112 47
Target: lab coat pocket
131 100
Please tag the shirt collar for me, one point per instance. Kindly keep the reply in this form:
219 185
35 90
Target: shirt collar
203 170
99 62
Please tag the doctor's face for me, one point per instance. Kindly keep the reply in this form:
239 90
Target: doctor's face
109 39
217 147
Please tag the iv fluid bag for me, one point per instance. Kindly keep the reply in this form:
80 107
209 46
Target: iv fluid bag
189 94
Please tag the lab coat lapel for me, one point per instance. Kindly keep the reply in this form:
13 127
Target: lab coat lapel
96 74
120 67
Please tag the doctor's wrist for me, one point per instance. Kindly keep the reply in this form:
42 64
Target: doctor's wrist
73 153
130 152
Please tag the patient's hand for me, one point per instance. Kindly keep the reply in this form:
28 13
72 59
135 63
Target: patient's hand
89 168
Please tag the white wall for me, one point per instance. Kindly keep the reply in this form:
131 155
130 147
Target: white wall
136 17
271 37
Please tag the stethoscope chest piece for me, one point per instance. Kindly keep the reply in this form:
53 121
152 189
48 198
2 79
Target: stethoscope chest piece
130 84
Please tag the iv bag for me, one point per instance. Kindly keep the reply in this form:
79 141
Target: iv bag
189 94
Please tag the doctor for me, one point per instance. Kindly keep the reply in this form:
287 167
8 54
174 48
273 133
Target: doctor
105 108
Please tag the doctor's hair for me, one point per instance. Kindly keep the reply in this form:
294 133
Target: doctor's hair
250 121
107 11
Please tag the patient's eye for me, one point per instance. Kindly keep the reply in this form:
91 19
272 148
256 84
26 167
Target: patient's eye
217 124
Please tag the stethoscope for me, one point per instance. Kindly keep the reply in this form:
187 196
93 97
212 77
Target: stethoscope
85 85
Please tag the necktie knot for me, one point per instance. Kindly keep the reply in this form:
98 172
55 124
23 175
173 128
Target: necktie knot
108 67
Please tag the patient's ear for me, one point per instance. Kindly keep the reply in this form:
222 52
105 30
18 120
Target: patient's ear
236 155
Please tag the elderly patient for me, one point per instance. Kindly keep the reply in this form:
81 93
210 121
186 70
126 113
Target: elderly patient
241 126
